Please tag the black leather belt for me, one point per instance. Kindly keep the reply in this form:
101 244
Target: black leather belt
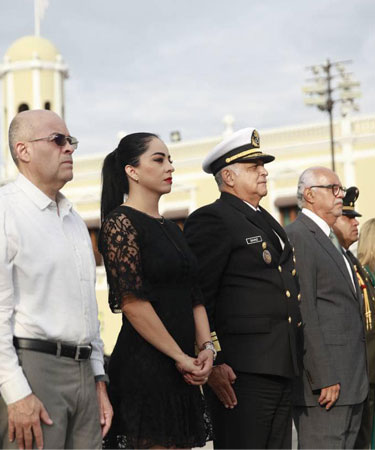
77 352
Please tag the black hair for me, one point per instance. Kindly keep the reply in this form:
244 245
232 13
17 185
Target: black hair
114 180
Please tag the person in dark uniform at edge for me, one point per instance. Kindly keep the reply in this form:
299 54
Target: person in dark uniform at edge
249 282
346 230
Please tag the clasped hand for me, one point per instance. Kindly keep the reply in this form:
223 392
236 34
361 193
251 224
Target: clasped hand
221 382
196 370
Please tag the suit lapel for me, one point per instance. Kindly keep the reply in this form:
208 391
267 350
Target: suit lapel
328 246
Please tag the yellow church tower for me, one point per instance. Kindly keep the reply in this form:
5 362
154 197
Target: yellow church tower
32 75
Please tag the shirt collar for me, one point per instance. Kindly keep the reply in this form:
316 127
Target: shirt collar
40 198
251 206
322 224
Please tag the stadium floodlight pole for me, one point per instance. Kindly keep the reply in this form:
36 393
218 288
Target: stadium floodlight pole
320 93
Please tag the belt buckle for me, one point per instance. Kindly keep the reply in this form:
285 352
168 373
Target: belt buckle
77 356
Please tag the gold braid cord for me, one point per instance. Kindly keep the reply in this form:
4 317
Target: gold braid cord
366 299
215 341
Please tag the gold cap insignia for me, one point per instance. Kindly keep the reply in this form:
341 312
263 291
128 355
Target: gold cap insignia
255 141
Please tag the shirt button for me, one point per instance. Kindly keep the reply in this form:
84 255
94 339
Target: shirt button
299 324
280 269
287 293
299 297
294 259
264 245
294 272
289 319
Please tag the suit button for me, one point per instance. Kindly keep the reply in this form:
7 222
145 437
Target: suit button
289 319
294 259
294 272
299 297
287 293
264 245
280 269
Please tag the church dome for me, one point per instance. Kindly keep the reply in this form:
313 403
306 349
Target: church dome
27 47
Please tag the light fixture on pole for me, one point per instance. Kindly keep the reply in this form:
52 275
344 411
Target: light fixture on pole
328 78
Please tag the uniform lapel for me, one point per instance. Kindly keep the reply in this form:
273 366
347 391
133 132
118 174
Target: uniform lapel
253 217
281 232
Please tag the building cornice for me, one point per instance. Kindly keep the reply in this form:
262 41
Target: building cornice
35 63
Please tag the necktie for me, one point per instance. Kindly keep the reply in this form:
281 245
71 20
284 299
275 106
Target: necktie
335 241
266 227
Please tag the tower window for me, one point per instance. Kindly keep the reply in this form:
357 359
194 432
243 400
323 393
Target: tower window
23 107
47 105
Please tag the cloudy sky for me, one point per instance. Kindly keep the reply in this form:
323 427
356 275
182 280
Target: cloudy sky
163 65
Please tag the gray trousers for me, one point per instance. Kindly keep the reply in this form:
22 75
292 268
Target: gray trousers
321 429
67 389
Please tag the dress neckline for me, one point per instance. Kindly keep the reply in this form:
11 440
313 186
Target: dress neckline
160 219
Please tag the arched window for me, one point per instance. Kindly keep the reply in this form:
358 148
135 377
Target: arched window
47 105
23 107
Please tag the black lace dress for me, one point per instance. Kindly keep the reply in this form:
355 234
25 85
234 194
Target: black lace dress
153 405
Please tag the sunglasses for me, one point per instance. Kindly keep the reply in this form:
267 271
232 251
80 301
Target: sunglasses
59 139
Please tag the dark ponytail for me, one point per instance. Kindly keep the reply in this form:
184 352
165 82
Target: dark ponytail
114 180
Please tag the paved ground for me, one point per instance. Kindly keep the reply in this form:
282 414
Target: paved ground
294 441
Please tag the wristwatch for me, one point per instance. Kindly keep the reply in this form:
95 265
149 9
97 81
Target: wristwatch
209 345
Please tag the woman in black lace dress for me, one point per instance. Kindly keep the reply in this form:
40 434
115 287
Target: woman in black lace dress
154 377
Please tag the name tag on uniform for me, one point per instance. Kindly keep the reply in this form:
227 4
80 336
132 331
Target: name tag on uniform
253 240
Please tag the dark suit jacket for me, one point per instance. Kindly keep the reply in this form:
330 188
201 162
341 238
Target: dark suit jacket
334 339
367 286
250 288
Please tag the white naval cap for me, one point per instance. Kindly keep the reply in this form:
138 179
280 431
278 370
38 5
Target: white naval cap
241 146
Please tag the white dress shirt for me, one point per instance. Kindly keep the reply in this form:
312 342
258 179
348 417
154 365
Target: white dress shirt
47 279
323 225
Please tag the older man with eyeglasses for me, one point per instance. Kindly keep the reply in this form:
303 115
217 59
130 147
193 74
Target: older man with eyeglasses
328 398
52 380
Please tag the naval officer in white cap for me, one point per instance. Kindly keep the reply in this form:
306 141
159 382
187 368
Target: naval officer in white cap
251 291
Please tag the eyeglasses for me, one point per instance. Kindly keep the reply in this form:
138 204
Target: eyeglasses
60 140
336 188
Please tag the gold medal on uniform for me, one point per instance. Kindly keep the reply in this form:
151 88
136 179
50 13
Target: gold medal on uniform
267 257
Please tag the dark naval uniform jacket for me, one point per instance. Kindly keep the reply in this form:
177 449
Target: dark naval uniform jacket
249 284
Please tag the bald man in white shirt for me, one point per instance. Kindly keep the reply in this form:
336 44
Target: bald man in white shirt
52 380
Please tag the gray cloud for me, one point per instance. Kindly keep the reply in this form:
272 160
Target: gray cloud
162 65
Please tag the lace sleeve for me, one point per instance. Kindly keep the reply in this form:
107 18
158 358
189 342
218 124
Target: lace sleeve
119 245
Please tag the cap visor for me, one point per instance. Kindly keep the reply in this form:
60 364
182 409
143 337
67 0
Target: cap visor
263 157
351 214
